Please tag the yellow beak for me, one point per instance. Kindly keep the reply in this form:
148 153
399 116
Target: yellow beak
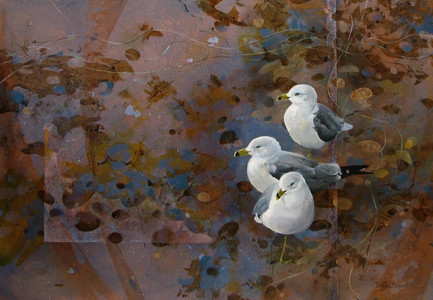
241 152
280 193
283 97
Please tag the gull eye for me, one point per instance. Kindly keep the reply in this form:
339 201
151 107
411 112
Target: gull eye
291 184
297 94
257 147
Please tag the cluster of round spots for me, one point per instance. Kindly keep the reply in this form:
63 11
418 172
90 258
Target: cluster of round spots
244 186
132 54
46 197
115 237
162 237
86 221
120 214
228 137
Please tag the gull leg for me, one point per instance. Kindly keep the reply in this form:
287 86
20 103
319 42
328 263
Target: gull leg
283 251
310 154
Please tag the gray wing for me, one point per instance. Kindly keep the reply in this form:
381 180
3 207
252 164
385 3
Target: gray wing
327 123
290 162
318 176
263 203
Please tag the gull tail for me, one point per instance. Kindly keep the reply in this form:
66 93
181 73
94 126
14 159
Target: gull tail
353 170
346 126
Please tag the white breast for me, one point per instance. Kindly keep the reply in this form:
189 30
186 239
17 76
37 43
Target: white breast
259 175
290 215
300 125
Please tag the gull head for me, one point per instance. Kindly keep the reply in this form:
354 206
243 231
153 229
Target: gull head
261 147
300 94
289 182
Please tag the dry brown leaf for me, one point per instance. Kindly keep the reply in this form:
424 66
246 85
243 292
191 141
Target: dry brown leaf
203 197
410 143
348 69
339 83
343 203
361 94
382 173
132 54
258 22
427 102
404 155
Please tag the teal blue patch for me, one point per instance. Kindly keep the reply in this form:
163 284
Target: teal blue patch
58 89
15 96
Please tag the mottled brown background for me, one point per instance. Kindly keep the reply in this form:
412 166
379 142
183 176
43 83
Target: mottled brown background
119 120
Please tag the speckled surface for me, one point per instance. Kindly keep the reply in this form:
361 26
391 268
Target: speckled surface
119 124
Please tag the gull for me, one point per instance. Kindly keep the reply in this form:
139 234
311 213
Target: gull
310 124
268 163
286 207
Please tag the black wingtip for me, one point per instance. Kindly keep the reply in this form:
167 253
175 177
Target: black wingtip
354 170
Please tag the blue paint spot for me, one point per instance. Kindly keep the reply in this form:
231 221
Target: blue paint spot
117 165
188 155
177 111
214 280
15 60
402 181
129 186
150 192
312 244
426 26
367 73
223 251
264 32
60 53
294 21
101 188
312 234
110 86
15 96
80 187
268 42
204 260
163 163
179 182
406 47
119 152
59 89
314 270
